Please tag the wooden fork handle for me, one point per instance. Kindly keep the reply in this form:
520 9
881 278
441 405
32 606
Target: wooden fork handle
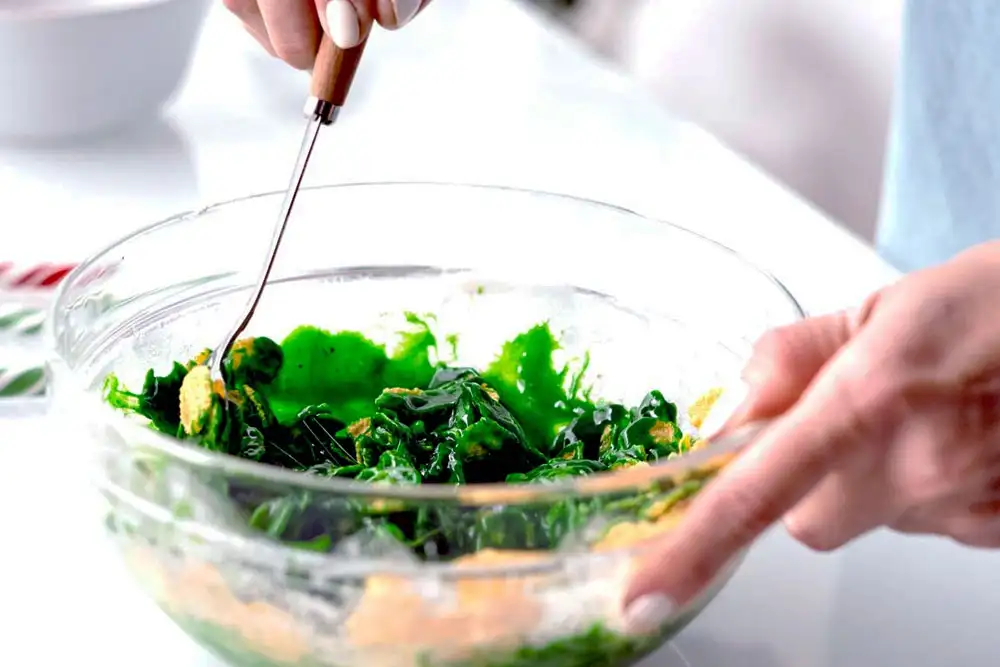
334 72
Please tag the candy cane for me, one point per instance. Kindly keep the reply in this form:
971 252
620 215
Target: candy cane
41 276
21 320
19 383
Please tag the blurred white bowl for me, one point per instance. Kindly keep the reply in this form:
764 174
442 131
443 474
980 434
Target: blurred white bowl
77 67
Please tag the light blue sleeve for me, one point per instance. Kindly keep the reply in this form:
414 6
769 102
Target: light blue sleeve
942 191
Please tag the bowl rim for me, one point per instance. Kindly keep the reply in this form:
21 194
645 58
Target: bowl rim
469 495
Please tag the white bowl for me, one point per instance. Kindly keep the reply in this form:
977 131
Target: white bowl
77 67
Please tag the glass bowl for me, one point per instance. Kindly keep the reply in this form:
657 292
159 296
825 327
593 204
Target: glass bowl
536 574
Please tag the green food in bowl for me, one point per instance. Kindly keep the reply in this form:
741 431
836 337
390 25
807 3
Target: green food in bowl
337 571
339 405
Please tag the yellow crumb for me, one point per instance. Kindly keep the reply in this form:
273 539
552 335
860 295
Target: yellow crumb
200 359
623 465
196 398
240 350
400 391
606 438
359 427
699 410
662 432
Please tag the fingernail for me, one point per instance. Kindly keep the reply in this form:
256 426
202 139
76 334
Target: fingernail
405 10
647 614
343 23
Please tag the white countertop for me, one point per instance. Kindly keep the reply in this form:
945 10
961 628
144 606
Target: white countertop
450 99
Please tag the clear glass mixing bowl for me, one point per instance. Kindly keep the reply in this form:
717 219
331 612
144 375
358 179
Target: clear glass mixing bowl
655 306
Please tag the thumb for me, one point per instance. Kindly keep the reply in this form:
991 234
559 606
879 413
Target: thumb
785 361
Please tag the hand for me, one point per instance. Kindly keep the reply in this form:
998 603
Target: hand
888 416
291 29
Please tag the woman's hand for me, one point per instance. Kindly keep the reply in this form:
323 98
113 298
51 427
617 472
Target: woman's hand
889 416
291 29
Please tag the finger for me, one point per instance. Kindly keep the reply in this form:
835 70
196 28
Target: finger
914 523
961 513
987 505
785 361
293 30
982 532
926 519
261 39
393 14
347 22
985 508
982 539
248 12
843 506
770 478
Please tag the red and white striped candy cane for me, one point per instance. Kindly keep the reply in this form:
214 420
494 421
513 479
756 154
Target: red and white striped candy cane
38 277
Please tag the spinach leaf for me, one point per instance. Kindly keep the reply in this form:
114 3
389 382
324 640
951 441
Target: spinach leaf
339 405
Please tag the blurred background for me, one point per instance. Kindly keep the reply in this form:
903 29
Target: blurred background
174 105
802 88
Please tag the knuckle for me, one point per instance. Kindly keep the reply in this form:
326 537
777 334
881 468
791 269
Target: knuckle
704 569
951 444
292 51
874 404
985 508
809 535
942 302
910 522
746 514
867 309
923 481
773 346
978 533
983 541
241 8
978 410
385 15
932 323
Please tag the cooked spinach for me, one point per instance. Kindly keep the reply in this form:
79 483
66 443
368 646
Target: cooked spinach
340 405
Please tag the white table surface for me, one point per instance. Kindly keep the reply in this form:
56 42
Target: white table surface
450 99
